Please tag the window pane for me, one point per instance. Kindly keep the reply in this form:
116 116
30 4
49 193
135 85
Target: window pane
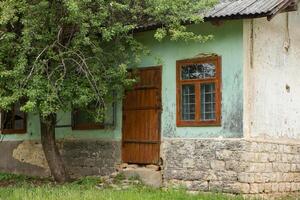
188 102
13 119
198 71
84 119
19 118
208 103
7 120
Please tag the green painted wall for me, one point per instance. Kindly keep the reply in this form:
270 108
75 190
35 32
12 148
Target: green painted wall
227 42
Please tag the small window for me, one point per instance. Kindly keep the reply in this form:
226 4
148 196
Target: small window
199 92
13 121
84 120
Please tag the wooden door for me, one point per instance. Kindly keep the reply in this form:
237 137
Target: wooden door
141 119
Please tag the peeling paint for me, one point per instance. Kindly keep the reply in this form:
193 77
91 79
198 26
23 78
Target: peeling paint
169 129
31 153
273 86
82 157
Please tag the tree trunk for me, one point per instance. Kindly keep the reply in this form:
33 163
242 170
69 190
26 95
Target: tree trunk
50 148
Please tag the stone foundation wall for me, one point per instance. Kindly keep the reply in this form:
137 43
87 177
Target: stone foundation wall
82 157
235 166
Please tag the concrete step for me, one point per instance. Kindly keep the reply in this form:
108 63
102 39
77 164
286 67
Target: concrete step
149 176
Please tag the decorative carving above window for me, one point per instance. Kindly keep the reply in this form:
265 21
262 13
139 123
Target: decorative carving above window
198 71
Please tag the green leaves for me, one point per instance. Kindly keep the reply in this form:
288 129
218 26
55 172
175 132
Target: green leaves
160 34
61 53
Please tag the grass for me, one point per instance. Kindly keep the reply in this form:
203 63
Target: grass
18 187
76 192
69 192
12 177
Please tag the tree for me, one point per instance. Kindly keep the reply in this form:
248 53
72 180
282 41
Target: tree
57 55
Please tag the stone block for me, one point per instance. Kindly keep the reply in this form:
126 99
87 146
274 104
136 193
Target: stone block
294 149
248 157
254 188
274 148
296 177
278 157
281 167
272 157
281 187
268 187
244 187
202 165
284 158
132 166
256 167
211 176
205 154
188 163
287 187
217 165
267 147
198 175
268 167
262 147
170 174
233 188
281 148
197 185
295 187
295 167
221 186
215 186
286 177
290 158
287 149
274 187
273 177
148 176
263 157
233 165
231 176
297 158
254 146
258 178
224 155
266 177
154 167
246 177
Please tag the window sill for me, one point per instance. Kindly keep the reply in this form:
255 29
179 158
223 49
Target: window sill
198 124
86 127
12 132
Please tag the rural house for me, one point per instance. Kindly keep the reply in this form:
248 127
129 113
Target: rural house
222 115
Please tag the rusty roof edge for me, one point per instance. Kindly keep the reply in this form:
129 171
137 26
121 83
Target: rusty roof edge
279 8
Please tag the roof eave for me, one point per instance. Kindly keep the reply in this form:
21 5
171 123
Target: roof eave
286 6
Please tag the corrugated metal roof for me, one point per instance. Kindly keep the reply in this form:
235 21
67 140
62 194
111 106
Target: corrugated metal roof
237 9
240 8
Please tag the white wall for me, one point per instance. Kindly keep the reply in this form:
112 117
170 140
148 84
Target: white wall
272 77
